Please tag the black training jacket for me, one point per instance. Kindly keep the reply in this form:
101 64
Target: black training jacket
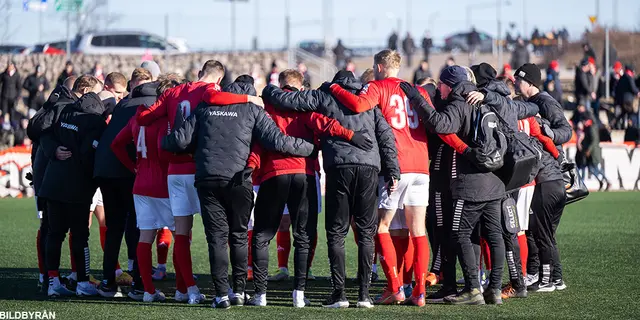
221 136
467 182
42 122
337 152
78 128
107 165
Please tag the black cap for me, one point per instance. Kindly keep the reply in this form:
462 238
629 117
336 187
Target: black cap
484 73
529 72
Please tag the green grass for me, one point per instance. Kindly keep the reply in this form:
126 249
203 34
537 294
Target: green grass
598 240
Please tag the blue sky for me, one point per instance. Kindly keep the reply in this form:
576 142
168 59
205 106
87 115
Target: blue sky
206 23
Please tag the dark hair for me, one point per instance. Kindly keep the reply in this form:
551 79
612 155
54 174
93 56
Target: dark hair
85 81
212 67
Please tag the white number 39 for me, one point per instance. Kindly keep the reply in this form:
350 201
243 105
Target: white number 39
404 113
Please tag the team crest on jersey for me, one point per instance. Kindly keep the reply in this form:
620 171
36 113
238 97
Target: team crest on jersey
365 88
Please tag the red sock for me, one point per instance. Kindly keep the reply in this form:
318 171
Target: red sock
408 262
41 267
283 242
485 253
524 252
163 241
401 244
103 238
182 249
180 286
420 264
312 252
249 243
73 262
53 274
355 234
388 260
143 253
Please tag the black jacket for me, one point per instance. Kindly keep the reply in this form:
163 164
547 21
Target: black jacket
336 152
221 136
78 129
40 124
467 182
553 77
420 74
583 83
519 56
63 76
107 165
36 98
11 86
551 110
625 90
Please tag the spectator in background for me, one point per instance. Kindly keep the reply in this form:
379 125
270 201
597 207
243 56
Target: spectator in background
473 40
67 72
192 73
20 133
350 66
507 72
614 78
626 94
422 72
6 132
340 53
393 41
588 153
449 62
535 39
97 71
552 84
409 48
588 52
36 84
520 54
272 77
11 89
583 85
597 85
427 44
302 68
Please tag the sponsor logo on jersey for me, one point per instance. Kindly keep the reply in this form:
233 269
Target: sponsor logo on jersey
216 113
69 126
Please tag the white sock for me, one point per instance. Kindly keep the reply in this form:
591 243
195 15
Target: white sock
41 278
298 294
119 272
220 299
374 268
162 266
73 275
130 264
54 282
193 289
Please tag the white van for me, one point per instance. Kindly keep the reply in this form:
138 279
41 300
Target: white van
126 43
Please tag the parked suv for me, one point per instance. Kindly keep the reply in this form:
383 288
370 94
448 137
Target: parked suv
126 43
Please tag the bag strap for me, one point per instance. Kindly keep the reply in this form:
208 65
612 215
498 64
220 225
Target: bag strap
504 122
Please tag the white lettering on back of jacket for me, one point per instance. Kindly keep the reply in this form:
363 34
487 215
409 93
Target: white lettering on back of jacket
217 113
69 126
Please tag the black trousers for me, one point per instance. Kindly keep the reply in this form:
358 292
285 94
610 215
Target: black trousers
533 259
351 192
299 193
64 217
225 216
512 250
117 196
44 232
549 199
9 107
466 217
439 221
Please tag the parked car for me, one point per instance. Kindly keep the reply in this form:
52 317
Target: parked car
53 48
459 42
126 43
314 47
11 49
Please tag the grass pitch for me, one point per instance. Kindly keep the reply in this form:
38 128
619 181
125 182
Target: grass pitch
598 239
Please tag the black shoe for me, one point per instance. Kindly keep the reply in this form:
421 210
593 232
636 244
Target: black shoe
336 300
109 291
438 296
137 292
493 296
560 285
541 287
223 304
470 297
238 300
69 283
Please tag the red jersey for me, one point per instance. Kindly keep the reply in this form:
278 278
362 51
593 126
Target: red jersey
184 99
408 129
152 162
308 125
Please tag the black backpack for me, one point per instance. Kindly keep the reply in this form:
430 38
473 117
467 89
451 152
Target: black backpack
522 158
489 143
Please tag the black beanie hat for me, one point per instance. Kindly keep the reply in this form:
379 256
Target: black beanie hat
484 73
245 78
453 75
342 74
529 72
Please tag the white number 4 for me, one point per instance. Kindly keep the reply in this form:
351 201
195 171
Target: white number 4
141 146
404 113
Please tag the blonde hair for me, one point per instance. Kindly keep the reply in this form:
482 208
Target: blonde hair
367 76
470 76
388 58
291 77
